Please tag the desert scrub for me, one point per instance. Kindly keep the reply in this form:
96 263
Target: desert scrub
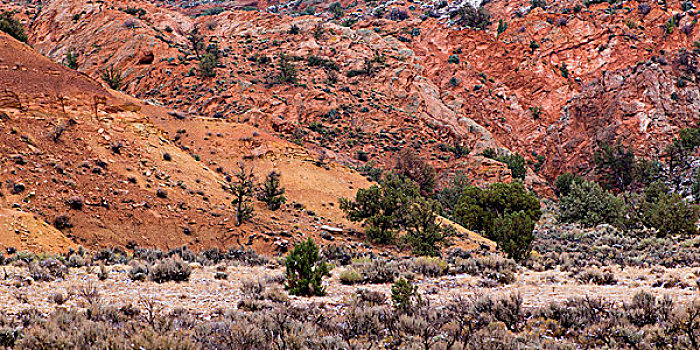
576 247
47 270
596 276
490 267
351 275
170 269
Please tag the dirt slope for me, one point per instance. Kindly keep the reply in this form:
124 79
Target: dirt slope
117 178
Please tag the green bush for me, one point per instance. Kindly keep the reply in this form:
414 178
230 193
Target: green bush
287 70
479 208
449 195
588 204
424 232
516 164
404 295
469 16
271 192
513 233
383 208
11 26
668 213
562 185
208 64
506 213
242 190
113 77
305 270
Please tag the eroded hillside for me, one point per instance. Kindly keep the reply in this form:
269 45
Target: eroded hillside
106 170
552 85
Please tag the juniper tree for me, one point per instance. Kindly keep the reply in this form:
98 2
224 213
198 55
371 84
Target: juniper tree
242 190
305 270
383 208
271 192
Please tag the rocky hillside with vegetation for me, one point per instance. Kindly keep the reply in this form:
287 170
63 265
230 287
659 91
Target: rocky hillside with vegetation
349 175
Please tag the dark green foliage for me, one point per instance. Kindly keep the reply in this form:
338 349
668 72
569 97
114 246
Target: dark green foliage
337 10
469 16
196 41
538 3
502 26
667 212
135 11
619 169
695 187
242 190
489 153
369 68
587 203
424 232
294 30
305 270
453 59
316 61
405 295
534 45
11 26
208 64
449 196
371 171
287 70
410 164
271 192
516 164
212 11
562 185
615 166
564 70
506 213
383 208
513 233
479 208
680 153
71 60
113 77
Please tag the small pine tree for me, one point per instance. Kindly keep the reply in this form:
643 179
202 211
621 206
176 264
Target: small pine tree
513 233
271 193
71 60
208 64
424 232
113 77
196 40
384 209
305 270
242 190
404 295
287 70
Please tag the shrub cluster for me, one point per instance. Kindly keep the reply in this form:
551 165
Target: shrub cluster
477 323
506 213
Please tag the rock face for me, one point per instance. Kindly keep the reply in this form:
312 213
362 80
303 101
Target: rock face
550 86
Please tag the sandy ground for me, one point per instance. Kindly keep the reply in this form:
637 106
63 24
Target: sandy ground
203 294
